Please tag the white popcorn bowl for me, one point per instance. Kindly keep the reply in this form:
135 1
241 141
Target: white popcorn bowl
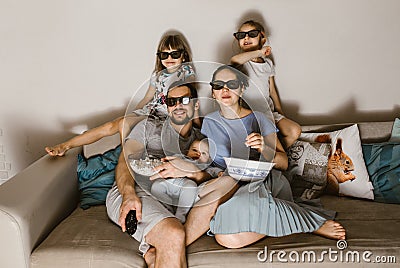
247 170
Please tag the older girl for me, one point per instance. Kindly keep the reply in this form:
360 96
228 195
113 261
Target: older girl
251 39
172 64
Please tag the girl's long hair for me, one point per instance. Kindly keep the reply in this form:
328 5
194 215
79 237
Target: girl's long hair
175 42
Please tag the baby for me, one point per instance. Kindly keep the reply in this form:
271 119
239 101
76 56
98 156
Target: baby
182 192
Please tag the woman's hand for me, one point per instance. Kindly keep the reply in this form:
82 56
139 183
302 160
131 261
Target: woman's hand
264 145
255 141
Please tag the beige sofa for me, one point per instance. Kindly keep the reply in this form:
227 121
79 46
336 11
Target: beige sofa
41 225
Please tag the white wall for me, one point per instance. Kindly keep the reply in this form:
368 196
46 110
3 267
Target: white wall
78 62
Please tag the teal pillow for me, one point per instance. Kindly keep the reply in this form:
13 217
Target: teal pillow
383 165
96 176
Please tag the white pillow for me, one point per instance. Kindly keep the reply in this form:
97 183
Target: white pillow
347 173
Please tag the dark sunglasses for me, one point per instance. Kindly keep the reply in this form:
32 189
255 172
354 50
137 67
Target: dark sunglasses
173 101
241 35
231 84
174 54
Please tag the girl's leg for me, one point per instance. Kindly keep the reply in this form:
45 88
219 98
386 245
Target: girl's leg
121 124
289 131
187 196
87 137
159 189
127 123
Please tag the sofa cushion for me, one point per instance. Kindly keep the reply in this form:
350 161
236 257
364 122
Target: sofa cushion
347 173
383 164
88 239
96 175
307 168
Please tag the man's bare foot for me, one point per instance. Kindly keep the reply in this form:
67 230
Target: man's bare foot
331 229
150 257
57 150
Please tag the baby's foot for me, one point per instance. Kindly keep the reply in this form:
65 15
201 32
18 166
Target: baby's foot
150 257
333 230
58 150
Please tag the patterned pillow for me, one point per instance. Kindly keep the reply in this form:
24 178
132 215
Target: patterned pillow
383 164
307 168
347 173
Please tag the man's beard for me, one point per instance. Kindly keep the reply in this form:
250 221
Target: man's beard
181 121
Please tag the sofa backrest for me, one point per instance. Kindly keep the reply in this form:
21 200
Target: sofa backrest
369 131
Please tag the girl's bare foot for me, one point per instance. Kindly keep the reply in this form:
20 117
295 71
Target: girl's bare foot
57 150
150 257
331 229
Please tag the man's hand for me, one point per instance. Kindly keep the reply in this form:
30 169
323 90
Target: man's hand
131 202
175 167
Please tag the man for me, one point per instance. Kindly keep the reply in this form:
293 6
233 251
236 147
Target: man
157 227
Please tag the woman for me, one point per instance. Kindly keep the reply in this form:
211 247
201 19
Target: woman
257 209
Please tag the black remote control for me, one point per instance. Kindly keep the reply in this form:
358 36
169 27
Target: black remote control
131 222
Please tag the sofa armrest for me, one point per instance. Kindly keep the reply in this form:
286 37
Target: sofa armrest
33 202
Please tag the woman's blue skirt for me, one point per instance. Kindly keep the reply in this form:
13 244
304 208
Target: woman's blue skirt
268 208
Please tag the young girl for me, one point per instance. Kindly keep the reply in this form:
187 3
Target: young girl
260 69
172 64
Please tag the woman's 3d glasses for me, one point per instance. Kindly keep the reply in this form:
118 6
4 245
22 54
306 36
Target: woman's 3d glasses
231 84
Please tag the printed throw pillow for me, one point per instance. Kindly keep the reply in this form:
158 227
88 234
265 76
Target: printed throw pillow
395 136
307 168
346 172
383 164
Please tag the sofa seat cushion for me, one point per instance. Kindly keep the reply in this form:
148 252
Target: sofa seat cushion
369 225
88 239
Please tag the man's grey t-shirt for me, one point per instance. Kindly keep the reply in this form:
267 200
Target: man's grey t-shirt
160 139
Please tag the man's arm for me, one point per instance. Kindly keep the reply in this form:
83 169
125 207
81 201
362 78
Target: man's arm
125 181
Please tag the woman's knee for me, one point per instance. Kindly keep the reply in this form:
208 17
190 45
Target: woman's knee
238 240
229 241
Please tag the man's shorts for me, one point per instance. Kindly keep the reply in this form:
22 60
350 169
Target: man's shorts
153 212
